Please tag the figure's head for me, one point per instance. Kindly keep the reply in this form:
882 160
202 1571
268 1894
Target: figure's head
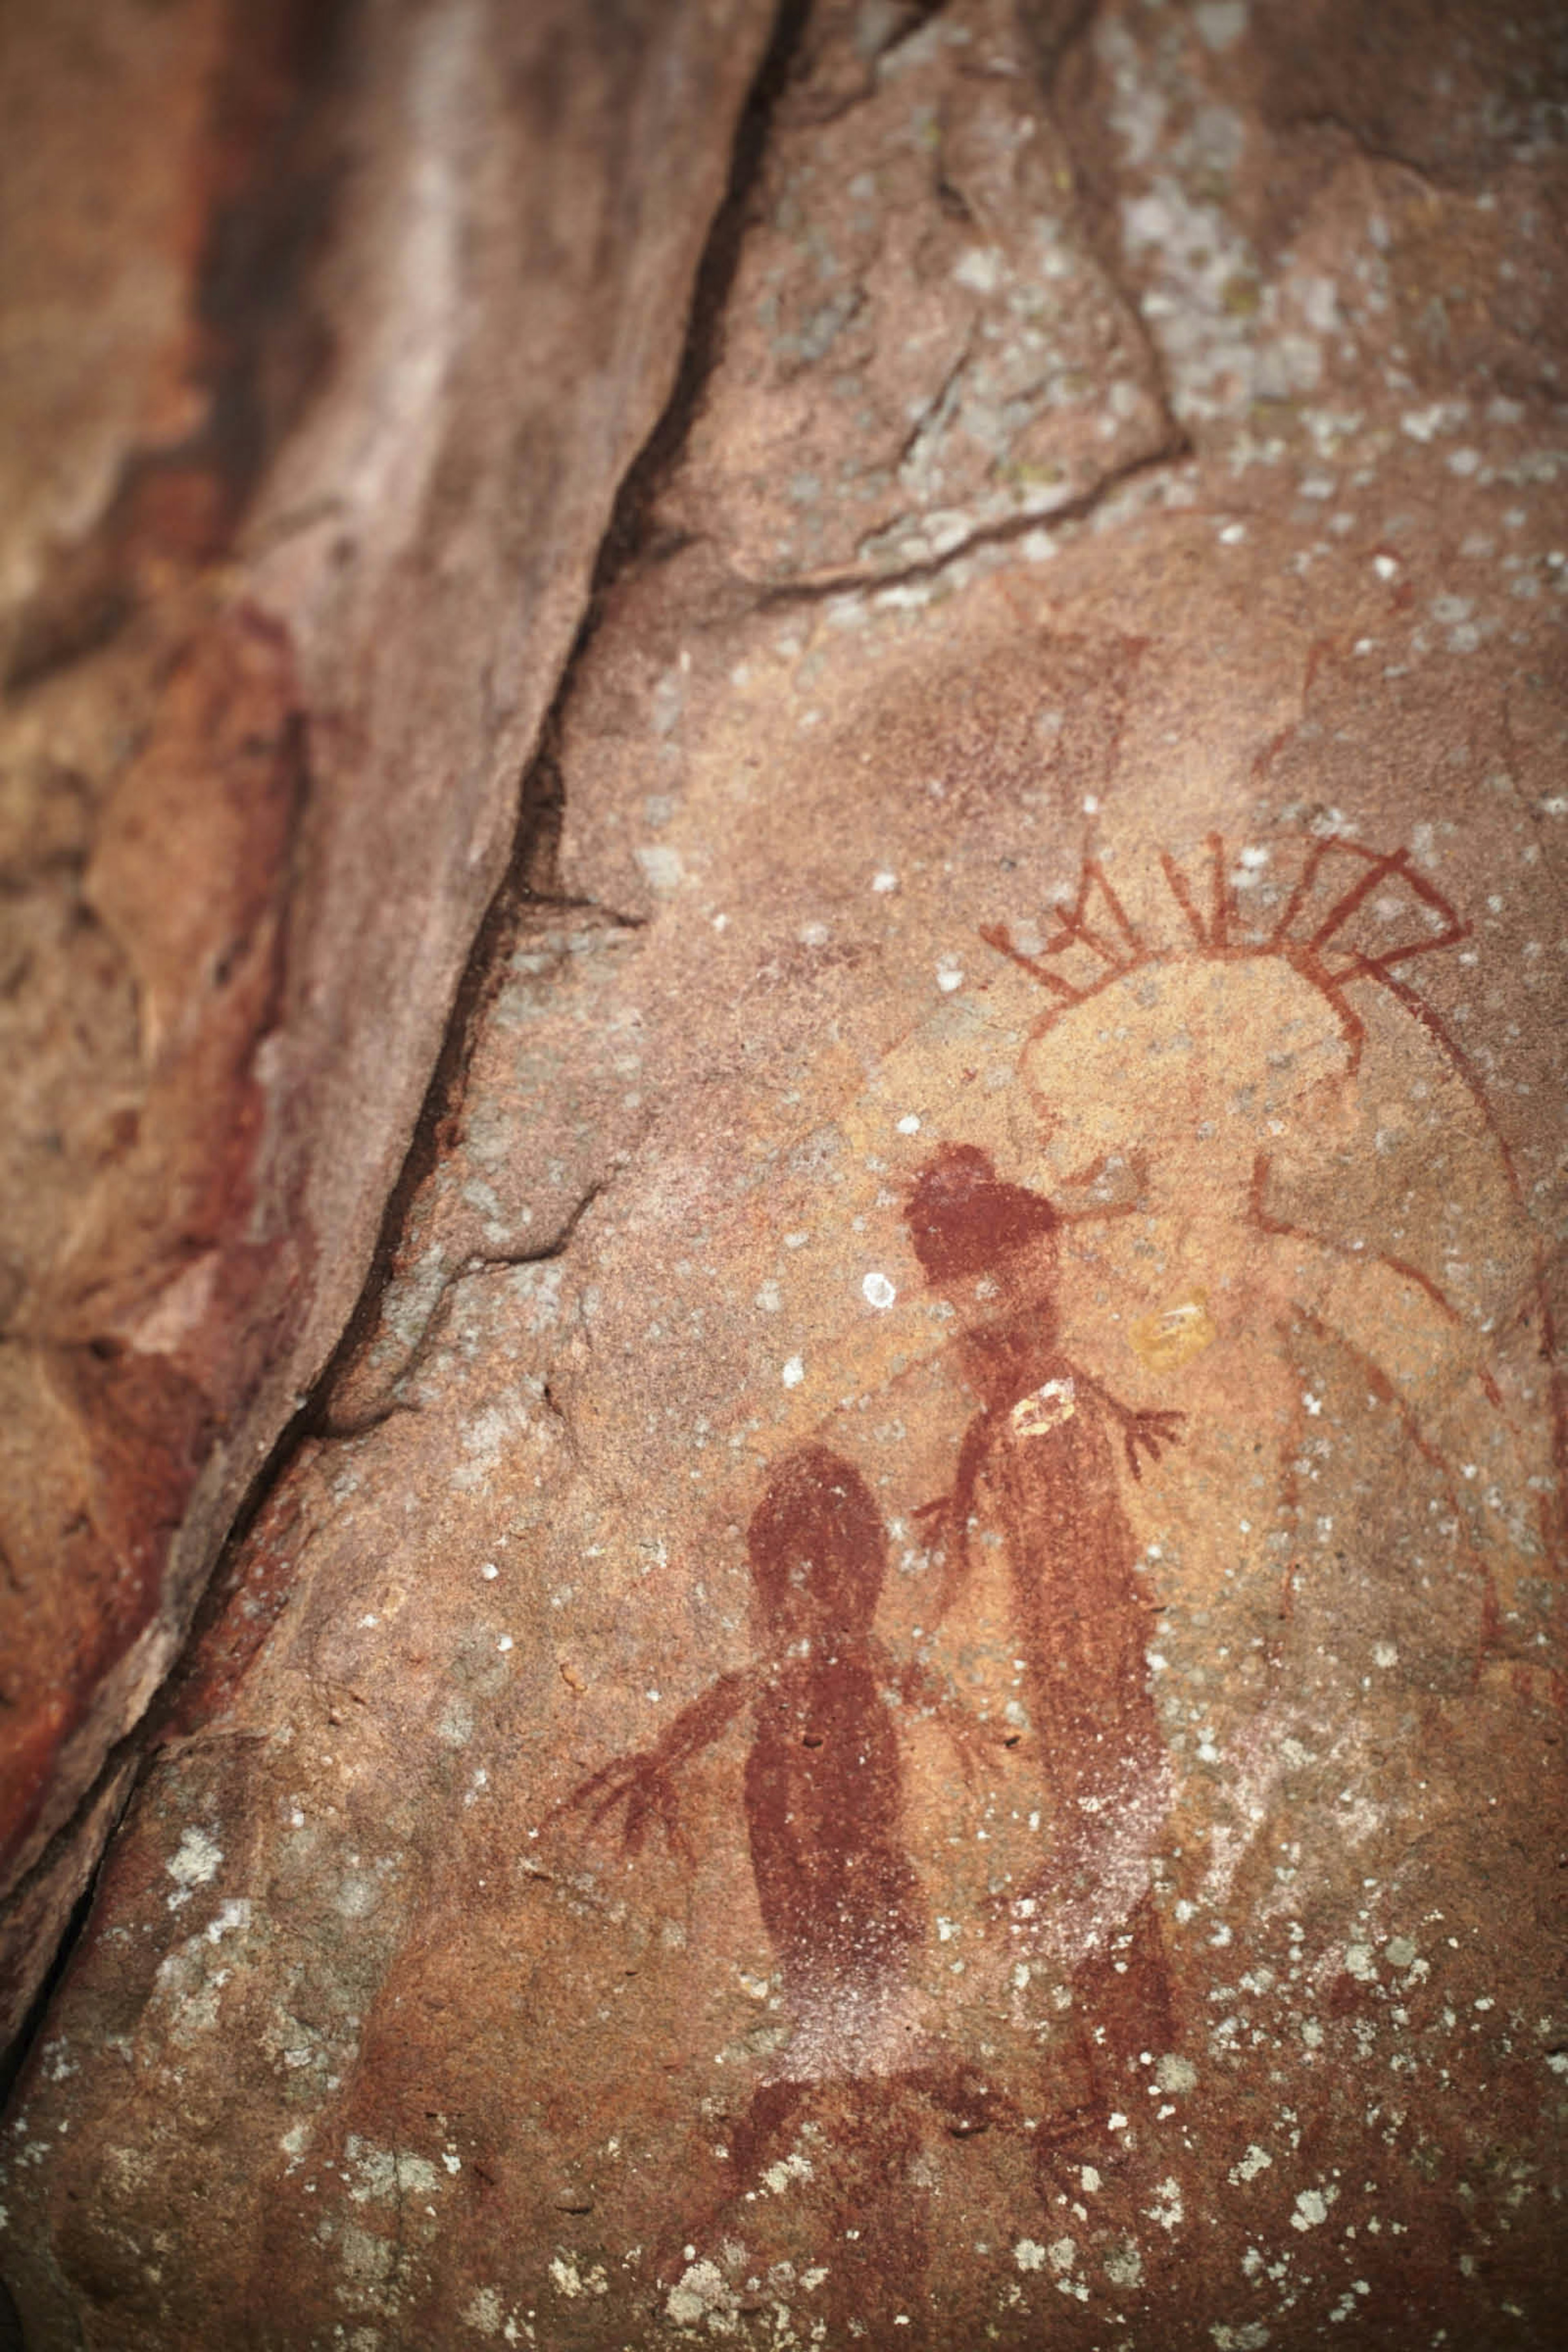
984 1243
1194 1068
818 1548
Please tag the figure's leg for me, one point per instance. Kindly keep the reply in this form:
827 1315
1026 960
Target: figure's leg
753 2139
752 2142
1125 1988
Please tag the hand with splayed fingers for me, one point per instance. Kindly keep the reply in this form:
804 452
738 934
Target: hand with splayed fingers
645 1784
1148 1429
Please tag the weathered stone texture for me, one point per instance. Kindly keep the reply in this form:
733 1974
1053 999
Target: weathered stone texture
920 345
331 334
912 1691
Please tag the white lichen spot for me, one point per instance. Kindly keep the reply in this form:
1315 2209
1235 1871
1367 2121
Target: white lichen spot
366 2258
779 2176
878 1291
1167 2209
980 269
663 867
1256 2159
1385 1654
949 976
884 882
1123 2264
490 1571
1061 2254
1220 22
1360 1963
195 1863
384 2176
794 1373
1312 2208
1173 2073
569 2280
908 1124
1250 2337
456 1727
483 2311
702 2294
1029 2255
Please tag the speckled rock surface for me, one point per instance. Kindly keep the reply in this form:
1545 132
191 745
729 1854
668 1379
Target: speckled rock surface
912 1690
329 333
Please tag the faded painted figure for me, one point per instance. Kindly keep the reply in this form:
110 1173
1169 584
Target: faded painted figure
1036 1469
840 1899
824 1778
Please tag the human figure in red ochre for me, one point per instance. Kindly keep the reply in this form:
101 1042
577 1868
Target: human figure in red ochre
824 1777
838 1894
1037 1467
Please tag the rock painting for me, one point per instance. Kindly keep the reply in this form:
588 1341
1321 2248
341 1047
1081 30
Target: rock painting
1036 1464
1226 1095
1145 1339
822 1781
1142 1329
823 1792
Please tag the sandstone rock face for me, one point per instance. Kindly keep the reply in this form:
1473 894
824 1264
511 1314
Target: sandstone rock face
331 333
911 1691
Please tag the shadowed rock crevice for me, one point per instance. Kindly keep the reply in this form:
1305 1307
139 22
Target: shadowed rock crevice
58 1891
954 561
532 882
633 538
353 240
248 249
321 1421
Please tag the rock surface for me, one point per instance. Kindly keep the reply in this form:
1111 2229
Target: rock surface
911 1691
331 333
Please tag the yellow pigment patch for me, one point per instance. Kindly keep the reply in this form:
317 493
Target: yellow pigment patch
1174 1334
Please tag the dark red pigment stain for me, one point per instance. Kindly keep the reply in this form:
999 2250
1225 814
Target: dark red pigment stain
1081 1624
824 1777
838 1894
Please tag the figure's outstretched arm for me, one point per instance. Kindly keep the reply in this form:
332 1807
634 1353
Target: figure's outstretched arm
949 1516
1150 1430
645 1781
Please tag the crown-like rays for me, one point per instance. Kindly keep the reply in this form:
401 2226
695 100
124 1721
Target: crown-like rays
1334 927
